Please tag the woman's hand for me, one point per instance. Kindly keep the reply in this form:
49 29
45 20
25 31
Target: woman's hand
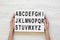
11 33
46 28
12 23
46 24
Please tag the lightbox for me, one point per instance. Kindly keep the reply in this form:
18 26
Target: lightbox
29 21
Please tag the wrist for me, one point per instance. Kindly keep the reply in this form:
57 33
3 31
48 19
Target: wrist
47 30
11 30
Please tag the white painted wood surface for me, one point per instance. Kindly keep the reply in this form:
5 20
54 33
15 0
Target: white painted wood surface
51 8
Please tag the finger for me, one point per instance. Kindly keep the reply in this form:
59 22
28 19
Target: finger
12 18
45 22
13 15
46 19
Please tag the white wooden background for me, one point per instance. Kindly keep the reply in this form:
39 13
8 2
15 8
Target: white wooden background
51 8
